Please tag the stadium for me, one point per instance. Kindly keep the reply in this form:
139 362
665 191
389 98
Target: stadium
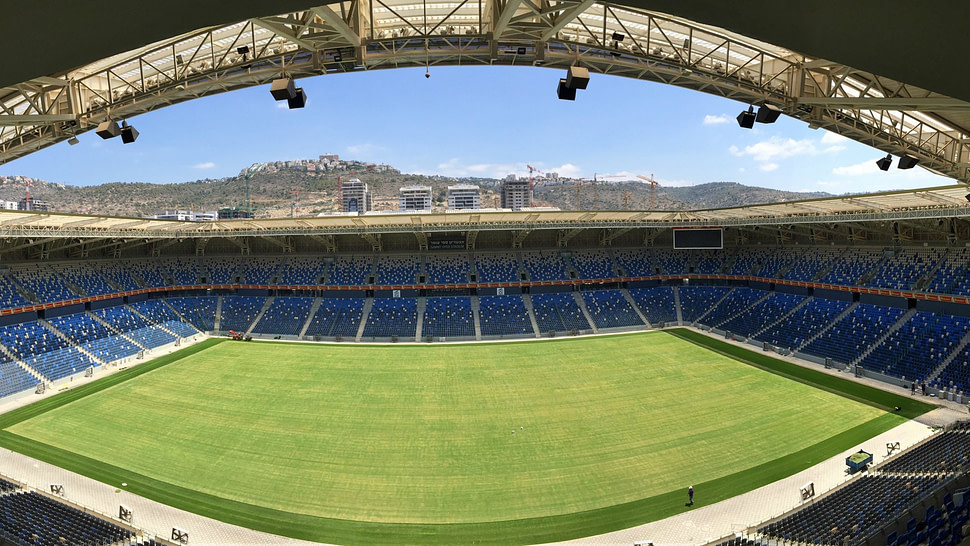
513 376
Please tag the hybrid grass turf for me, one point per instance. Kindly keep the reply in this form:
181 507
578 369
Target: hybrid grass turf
511 442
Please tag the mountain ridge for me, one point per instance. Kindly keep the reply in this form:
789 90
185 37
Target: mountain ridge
305 188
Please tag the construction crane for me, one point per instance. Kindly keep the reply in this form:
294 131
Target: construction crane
531 181
626 200
295 202
595 191
653 189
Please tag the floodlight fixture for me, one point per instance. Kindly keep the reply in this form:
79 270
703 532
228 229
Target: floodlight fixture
767 113
298 100
337 57
564 92
967 196
746 118
283 89
885 162
907 162
108 129
577 77
520 51
128 133
73 141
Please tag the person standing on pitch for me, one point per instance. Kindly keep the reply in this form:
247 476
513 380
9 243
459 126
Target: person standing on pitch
690 495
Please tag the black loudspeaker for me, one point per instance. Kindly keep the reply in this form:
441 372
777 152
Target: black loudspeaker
299 100
283 89
565 92
767 114
128 134
577 77
907 162
108 129
885 163
746 119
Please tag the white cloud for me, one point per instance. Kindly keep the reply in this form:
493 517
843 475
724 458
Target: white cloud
768 167
206 165
715 120
776 148
677 183
859 169
833 138
366 148
455 167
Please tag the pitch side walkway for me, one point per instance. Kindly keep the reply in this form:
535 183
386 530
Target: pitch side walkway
696 526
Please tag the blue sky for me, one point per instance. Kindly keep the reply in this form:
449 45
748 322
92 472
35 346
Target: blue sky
477 121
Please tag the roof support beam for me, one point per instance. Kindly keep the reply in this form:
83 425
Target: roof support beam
564 18
334 20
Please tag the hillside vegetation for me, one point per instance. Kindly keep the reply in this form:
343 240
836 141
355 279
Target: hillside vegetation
286 192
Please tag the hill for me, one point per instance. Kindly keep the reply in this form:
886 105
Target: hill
309 187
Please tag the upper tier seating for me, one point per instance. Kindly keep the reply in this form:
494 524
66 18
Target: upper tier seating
351 270
449 268
43 283
593 264
497 267
396 269
905 269
546 265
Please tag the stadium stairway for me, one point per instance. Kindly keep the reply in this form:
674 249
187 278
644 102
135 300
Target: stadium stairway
314 307
365 313
70 342
634 306
477 315
422 306
527 300
879 341
801 304
266 305
153 322
112 328
218 319
949 358
34 373
179 315
582 307
711 308
743 310
923 282
829 326
680 313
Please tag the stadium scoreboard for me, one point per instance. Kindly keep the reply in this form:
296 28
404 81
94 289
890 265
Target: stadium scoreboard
698 238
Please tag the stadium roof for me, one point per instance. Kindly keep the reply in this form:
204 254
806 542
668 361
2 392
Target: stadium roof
882 72
940 202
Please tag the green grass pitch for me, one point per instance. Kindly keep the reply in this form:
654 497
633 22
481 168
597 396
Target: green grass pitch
509 442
